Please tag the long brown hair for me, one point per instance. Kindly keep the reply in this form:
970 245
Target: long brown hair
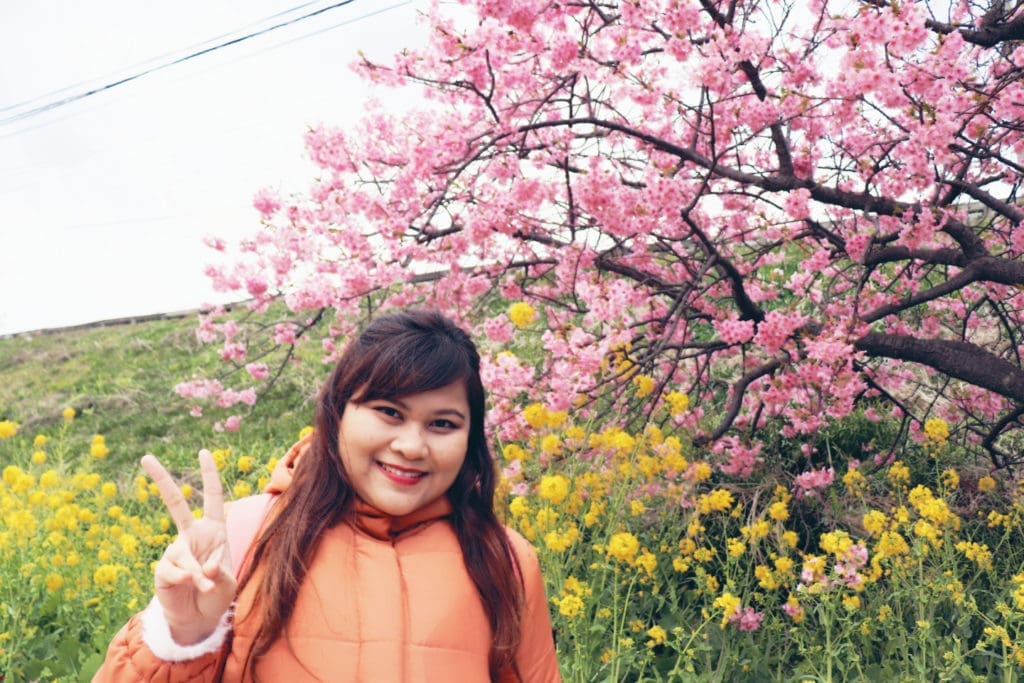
396 355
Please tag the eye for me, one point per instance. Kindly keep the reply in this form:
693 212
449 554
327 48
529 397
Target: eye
445 425
387 411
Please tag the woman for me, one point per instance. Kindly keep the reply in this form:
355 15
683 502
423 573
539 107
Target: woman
381 558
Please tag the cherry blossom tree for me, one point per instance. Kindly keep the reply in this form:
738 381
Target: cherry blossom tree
780 210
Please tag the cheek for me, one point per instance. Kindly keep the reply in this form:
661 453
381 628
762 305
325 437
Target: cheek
456 459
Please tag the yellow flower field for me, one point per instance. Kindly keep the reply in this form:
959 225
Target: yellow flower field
657 568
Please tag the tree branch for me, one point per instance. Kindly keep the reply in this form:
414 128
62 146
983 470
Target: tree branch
958 359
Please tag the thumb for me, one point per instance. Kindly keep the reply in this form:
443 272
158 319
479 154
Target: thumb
218 560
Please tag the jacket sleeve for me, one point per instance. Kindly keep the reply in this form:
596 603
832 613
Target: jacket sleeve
130 659
536 658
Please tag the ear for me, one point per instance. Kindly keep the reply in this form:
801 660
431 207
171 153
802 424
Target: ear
284 471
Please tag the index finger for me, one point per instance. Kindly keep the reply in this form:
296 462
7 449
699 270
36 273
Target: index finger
173 499
213 492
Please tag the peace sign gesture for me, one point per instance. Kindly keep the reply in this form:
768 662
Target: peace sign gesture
194 579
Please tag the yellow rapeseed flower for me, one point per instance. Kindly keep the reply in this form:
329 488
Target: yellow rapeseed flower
657 636
765 578
978 552
758 530
836 543
49 479
950 479
513 452
305 431
677 402
39 441
704 554
522 314
221 457
700 471
54 582
926 530
854 481
623 546
98 448
574 586
556 418
106 575
729 604
560 542
108 489
874 522
518 506
779 511
246 463
936 430
536 415
8 428
570 606
551 444
39 457
69 414
986 484
899 473
718 500
644 385
648 562
553 488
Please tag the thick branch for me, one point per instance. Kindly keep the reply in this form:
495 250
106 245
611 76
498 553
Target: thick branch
985 269
736 400
986 36
958 359
946 256
1013 213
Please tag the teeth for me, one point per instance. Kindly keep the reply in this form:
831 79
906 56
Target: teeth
401 473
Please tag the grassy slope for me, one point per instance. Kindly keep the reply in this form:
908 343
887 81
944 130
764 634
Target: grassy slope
121 381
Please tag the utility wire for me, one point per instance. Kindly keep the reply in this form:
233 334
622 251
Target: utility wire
269 48
234 41
133 67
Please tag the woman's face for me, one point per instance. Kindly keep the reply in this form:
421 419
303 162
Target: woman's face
403 453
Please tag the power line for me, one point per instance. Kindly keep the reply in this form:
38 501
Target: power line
195 46
234 41
269 48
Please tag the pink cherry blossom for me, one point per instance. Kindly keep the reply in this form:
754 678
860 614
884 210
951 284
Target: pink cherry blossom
793 214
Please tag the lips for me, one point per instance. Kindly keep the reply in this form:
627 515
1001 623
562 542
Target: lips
401 475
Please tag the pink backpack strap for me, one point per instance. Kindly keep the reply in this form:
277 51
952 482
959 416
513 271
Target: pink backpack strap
244 520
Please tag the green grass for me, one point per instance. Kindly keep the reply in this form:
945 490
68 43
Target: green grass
121 379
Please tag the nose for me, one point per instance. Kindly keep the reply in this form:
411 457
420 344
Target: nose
409 442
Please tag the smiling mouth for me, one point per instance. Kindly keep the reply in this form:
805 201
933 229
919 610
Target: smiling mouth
401 471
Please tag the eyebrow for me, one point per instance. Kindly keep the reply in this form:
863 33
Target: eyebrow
439 413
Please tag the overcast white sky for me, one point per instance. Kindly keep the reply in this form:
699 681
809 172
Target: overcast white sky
104 201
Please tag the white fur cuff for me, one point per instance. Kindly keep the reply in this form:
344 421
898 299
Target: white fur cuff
156 634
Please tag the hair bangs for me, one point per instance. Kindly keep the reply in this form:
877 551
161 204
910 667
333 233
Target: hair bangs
420 364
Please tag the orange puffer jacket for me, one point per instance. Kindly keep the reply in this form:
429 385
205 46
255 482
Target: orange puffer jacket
385 599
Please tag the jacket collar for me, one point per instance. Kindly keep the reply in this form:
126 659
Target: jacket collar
384 527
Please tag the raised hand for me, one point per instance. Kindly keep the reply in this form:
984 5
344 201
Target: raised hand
194 579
